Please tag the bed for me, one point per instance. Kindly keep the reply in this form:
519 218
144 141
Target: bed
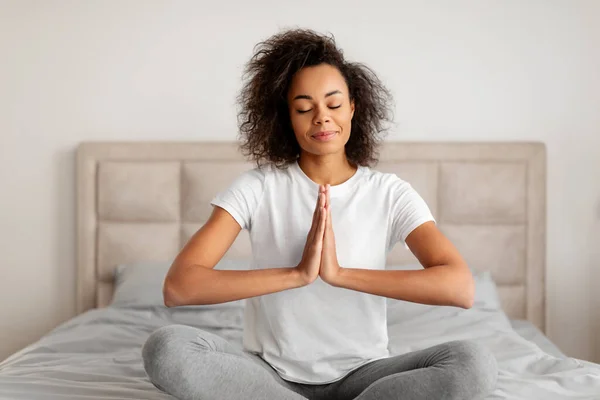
139 202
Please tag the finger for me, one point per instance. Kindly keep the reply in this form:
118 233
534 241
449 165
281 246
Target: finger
322 221
318 201
316 217
320 233
318 210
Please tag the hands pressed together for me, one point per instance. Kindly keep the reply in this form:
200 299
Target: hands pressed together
319 257
450 284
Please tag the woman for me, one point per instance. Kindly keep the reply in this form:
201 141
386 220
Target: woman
321 224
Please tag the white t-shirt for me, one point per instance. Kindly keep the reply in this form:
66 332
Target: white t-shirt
318 333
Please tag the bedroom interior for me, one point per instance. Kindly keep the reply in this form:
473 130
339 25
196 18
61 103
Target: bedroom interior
139 202
118 124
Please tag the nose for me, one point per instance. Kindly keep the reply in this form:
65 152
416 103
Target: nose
321 116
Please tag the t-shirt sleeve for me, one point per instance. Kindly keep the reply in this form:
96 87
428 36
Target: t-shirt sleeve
242 197
409 210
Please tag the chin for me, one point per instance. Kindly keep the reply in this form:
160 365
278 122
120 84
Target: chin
324 149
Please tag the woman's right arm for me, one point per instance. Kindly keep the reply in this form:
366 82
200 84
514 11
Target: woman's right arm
192 279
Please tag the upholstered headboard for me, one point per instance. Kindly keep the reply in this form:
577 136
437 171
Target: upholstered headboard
142 201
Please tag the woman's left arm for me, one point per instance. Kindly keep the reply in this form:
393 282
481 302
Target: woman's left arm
445 279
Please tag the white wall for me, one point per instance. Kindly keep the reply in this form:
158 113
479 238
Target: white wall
72 71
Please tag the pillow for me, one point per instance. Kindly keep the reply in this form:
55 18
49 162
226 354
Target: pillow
486 290
139 284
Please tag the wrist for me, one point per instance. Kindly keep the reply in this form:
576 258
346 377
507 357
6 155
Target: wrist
298 277
339 277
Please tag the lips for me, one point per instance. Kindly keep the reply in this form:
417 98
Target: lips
324 135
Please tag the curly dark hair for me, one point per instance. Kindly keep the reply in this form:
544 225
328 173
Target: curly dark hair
265 128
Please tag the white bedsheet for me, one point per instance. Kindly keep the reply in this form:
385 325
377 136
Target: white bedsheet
97 354
530 332
525 370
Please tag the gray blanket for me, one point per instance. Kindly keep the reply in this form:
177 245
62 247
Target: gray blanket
96 355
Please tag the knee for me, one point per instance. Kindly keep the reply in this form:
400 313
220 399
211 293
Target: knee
162 346
155 349
475 370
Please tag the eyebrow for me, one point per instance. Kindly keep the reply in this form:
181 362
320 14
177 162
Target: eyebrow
307 97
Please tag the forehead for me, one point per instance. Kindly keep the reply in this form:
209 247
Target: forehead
317 81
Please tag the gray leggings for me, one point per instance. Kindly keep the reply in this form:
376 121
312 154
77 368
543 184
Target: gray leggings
190 363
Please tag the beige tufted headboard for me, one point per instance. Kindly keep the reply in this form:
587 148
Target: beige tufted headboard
141 201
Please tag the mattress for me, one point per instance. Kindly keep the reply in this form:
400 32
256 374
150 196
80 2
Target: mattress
97 355
530 332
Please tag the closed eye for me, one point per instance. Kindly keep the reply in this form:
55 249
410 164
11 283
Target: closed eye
305 111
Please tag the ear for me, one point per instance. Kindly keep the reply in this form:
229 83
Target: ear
351 109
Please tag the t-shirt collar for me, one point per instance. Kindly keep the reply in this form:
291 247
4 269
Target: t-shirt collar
335 191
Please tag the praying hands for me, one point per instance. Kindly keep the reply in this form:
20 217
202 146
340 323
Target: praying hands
319 257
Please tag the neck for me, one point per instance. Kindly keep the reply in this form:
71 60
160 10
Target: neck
332 169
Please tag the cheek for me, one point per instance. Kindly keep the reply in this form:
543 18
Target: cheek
345 121
299 124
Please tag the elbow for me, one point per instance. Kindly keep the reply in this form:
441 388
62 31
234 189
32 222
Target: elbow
171 295
464 295
169 302
467 301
